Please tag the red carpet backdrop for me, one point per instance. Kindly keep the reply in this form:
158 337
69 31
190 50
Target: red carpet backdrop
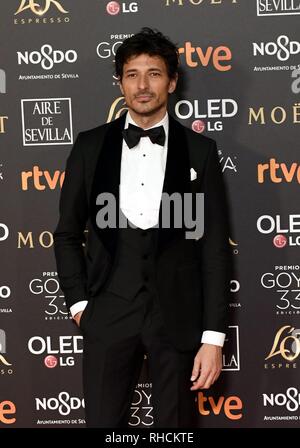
240 84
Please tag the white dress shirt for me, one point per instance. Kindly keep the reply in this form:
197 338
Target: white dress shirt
141 183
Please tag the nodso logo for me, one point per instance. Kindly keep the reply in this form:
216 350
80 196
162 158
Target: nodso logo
283 48
64 404
46 57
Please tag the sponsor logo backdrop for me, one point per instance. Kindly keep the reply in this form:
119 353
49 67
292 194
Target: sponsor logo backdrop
240 84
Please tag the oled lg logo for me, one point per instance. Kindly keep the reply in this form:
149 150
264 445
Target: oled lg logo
208 116
58 351
286 233
114 8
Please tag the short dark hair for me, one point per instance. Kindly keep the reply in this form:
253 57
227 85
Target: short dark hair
151 42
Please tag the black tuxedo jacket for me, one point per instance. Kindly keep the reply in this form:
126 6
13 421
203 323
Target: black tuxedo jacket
192 275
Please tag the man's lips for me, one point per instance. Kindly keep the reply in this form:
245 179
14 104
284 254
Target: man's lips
143 97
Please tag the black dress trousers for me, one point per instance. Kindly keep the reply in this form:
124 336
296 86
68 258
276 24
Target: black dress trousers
117 333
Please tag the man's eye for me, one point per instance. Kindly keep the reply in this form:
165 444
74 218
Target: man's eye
155 74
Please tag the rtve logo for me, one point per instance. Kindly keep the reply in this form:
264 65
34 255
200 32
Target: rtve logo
278 172
7 412
40 180
218 57
231 406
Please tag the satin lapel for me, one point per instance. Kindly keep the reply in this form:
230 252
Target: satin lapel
107 180
177 178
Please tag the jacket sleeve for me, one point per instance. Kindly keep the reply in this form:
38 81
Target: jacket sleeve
214 246
69 233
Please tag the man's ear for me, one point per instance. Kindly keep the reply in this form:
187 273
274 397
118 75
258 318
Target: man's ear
120 84
173 83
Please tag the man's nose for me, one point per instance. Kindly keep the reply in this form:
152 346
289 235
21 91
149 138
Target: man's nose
143 82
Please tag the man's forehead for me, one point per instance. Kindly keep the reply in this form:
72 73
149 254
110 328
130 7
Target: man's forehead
145 59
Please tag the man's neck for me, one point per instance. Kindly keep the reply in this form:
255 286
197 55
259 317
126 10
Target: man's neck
148 121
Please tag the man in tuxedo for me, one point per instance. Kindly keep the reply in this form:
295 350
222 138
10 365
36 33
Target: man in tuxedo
144 288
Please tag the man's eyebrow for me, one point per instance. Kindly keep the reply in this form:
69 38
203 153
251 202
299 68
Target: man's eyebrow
130 70
157 69
150 69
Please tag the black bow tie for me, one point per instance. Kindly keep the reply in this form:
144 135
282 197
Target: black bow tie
133 134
